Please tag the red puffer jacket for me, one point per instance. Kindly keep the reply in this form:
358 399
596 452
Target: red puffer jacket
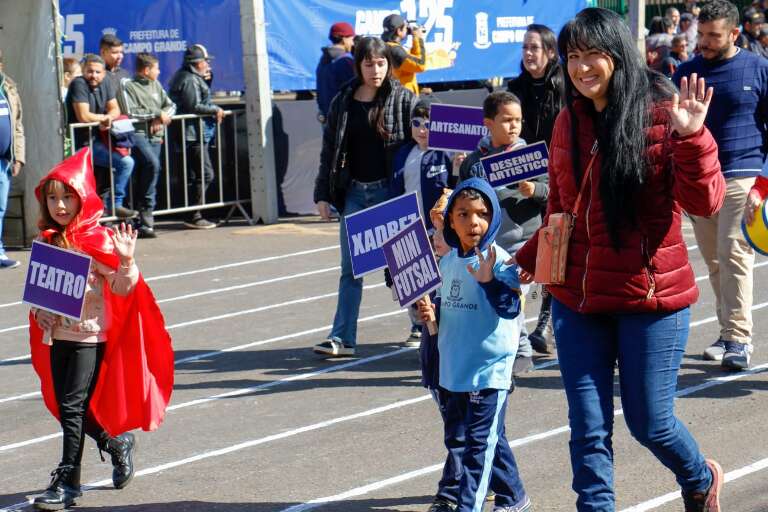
650 272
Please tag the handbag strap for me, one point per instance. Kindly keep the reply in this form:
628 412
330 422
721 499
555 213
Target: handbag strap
584 180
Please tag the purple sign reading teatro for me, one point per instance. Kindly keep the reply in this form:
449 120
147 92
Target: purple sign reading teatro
455 128
56 280
517 165
411 263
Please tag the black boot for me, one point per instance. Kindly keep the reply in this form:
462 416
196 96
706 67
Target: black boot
64 488
538 337
120 448
146 224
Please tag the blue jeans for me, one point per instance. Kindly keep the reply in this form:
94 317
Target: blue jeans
122 167
359 197
649 348
147 157
5 191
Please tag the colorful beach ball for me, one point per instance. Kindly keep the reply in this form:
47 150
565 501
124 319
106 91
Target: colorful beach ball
757 232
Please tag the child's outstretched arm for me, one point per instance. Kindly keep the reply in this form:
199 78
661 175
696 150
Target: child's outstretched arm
504 298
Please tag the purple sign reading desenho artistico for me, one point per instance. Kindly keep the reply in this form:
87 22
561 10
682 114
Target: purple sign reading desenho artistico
411 264
455 128
56 280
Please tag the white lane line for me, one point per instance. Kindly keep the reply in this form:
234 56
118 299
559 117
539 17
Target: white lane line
672 496
222 317
241 391
359 491
274 437
216 353
220 267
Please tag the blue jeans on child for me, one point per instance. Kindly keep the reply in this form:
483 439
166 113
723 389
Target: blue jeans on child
649 348
122 167
359 197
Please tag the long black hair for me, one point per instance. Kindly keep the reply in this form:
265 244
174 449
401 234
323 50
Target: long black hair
622 126
374 48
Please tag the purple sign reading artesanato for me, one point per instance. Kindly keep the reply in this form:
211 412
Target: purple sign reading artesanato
455 128
56 280
411 263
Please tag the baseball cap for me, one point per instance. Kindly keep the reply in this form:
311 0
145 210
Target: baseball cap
196 53
341 29
393 22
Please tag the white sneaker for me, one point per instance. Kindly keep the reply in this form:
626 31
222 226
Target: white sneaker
333 347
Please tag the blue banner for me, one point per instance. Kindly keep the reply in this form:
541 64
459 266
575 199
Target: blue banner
517 165
466 39
368 229
164 28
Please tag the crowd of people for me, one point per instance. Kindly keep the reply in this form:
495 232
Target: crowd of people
636 144
631 154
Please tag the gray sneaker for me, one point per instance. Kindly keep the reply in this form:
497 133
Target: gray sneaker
333 347
737 356
524 505
715 351
414 339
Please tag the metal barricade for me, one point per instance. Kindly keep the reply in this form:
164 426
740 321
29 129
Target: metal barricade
235 201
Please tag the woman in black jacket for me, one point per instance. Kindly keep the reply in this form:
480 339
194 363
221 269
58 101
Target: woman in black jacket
368 120
540 89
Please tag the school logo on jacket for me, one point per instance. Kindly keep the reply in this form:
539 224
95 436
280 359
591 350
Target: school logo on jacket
455 290
455 300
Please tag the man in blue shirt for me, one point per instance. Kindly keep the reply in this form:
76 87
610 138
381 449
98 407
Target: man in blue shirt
11 149
737 119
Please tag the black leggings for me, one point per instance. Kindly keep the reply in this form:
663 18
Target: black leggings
75 368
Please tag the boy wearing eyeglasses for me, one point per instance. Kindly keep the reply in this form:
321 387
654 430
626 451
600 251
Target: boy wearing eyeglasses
426 171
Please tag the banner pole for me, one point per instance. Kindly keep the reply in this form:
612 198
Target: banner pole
431 324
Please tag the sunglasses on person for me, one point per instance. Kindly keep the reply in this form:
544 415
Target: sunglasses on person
420 122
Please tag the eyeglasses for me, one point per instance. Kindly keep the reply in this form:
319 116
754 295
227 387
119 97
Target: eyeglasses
418 122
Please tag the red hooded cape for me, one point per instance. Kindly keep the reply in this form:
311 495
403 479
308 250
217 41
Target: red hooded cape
136 377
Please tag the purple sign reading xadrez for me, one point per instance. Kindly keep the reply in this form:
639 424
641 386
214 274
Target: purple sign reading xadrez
455 128
411 263
56 280
517 165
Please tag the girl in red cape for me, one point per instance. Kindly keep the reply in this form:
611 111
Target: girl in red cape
111 371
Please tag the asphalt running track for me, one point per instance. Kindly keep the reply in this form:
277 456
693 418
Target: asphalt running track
259 423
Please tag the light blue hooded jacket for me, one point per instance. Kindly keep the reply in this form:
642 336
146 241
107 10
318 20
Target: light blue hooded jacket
479 322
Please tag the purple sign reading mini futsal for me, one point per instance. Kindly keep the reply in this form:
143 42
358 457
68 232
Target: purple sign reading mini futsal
411 263
56 280
455 128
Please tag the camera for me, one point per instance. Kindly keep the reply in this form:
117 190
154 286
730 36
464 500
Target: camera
413 26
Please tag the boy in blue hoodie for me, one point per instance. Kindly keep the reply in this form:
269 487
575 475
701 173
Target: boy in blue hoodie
478 337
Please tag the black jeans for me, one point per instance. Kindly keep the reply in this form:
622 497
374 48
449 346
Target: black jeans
75 368
195 184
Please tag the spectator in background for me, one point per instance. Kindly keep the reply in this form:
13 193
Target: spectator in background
753 21
336 66
191 93
112 50
659 41
677 56
91 99
406 64
12 148
673 15
688 27
737 118
146 101
763 38
71 70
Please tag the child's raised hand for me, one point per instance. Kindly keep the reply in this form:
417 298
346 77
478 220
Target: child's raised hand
124 239
484 272
45 320
426 311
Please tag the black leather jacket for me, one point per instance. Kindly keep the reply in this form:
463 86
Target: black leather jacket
192 95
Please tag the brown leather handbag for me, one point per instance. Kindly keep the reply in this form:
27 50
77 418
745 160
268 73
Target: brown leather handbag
552 251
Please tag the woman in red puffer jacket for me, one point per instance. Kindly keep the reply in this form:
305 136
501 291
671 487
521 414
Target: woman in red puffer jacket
628 283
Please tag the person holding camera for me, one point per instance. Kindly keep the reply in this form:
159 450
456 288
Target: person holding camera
405 64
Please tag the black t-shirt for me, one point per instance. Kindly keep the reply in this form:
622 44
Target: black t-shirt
81 92
365 149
